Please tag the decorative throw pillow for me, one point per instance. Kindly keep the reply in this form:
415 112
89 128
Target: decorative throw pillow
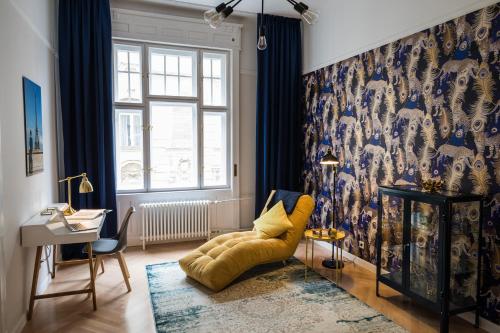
273 223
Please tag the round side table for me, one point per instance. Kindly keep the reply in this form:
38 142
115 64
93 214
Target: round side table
337 239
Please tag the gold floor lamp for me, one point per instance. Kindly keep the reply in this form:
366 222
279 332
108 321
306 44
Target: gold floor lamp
330 160
85 187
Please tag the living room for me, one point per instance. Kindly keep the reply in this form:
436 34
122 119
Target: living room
263 166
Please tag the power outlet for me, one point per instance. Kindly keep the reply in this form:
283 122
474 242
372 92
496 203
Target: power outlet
361 245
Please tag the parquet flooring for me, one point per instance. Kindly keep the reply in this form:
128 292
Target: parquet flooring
119 311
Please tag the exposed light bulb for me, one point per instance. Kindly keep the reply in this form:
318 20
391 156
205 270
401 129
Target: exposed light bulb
310 16
307 15
216 20
207 16
262 44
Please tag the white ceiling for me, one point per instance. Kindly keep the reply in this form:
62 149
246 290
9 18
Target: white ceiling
275 7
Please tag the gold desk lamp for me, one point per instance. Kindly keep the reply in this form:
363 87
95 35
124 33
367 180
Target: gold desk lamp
85 187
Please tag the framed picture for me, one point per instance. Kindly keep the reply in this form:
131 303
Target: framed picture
33 132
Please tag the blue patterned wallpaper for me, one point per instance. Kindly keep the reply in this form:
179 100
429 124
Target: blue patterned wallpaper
426 106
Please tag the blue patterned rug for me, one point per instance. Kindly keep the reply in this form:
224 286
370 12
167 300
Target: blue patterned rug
269 298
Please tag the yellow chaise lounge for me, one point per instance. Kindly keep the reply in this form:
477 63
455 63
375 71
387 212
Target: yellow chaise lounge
218 262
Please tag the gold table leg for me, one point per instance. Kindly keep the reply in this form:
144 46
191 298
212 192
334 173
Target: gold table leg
305 273
312 254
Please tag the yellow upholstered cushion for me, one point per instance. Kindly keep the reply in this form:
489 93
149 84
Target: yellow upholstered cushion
219 261
273 223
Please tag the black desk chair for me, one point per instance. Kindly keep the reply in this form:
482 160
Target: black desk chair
114 246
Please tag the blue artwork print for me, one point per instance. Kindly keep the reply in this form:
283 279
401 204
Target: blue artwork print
33 127
422 107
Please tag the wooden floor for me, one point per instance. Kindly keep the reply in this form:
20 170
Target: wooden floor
119 311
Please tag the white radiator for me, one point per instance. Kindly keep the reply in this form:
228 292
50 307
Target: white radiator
176 220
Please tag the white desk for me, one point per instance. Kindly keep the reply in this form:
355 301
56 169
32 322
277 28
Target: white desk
39 231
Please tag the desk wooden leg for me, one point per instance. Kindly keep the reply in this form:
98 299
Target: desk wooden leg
34 283
92 281
54 256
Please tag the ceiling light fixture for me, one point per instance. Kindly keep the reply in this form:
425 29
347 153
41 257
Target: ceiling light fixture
310 16
214 17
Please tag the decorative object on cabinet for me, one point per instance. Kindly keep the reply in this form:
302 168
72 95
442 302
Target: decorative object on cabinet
421 252
431 185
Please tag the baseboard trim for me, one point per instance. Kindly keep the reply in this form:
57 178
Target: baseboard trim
484 323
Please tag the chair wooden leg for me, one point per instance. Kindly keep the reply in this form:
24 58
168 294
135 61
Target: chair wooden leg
102 265
98 261
125 264
121 261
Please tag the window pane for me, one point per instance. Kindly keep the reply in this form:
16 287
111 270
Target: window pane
173 145
129 150
214 149
135 62
207 67
157 84
207 91
217 92
216 68
217 64
186 86
122 92
122 60
186 66
127 73
172 86
171 64
135 87
157 63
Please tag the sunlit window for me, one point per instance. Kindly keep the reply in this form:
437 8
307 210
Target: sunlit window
214 79
171 124
129 149
128 73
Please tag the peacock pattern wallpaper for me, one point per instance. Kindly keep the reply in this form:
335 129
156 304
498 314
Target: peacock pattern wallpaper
426 106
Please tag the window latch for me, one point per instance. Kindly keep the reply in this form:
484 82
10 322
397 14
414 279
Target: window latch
235 170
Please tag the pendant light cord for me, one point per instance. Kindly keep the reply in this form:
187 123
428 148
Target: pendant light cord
261 16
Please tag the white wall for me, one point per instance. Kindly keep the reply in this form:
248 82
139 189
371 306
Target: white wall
26 36
348 28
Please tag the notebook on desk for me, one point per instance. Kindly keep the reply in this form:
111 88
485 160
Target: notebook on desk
86 214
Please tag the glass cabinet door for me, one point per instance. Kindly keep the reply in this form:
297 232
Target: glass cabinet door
464 252
424 250
392 238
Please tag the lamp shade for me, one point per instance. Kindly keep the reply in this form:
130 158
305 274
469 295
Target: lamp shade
85 185
329 159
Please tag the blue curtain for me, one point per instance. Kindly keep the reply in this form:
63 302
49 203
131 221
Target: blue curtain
279 112
85 69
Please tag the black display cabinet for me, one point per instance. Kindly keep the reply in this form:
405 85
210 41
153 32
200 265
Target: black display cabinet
428 248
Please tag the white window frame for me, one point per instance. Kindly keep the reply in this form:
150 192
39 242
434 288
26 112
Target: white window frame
147 98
